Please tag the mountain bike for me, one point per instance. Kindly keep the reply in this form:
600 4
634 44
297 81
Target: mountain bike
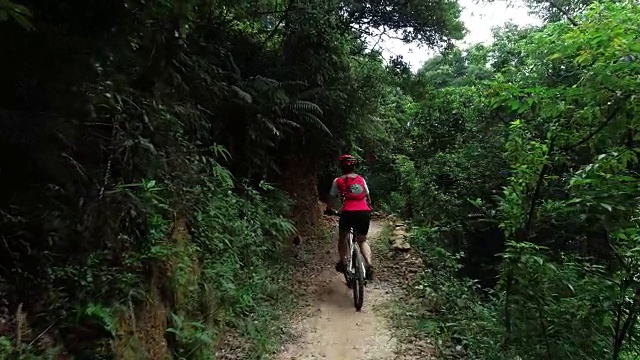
355 274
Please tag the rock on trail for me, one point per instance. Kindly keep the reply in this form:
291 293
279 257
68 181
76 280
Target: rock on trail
398 239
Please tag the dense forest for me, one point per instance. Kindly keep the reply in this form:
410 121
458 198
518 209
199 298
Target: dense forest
160 159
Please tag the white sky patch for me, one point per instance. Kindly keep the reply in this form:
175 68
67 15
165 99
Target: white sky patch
479 19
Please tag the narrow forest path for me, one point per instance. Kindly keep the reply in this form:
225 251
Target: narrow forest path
330 328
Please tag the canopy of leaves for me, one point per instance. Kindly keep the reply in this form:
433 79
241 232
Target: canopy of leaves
522 157
142 141
139 142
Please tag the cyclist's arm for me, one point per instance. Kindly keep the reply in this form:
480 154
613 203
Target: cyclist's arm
333 196
366 191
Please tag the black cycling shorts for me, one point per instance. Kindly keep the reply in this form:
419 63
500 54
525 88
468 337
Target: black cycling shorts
358 220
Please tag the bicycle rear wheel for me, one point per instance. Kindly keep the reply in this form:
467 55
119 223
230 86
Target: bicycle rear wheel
358 278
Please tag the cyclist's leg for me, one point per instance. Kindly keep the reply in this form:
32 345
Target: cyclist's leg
344 226
366 251
361 225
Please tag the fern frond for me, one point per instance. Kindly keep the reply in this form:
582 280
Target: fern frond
271 127
243 95
257 131
294 86
280 97
287 122
76 165
306 106
220 151
314 120
294 83
262 83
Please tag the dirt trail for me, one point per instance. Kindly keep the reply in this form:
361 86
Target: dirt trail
333 329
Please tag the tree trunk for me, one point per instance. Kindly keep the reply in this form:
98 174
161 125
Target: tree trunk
300 177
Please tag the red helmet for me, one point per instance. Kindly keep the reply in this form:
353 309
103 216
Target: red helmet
347 159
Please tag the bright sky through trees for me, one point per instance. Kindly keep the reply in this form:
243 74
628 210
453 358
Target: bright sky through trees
479 19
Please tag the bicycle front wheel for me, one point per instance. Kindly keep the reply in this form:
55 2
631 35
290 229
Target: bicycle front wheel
358 278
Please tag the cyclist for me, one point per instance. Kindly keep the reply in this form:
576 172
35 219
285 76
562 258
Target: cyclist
352 190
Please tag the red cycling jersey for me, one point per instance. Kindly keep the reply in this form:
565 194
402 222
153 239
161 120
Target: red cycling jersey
353 190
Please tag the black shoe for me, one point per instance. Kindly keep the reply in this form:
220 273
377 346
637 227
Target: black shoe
369 270
340 267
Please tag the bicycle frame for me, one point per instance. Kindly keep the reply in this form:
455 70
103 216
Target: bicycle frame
355 272
353 243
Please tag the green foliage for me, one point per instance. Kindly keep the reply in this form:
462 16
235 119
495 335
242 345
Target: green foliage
529 177
450 309
414 20
150 143
9 350
233 254
15 12
194 339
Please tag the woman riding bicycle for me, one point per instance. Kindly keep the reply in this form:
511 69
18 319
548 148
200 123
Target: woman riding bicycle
355 213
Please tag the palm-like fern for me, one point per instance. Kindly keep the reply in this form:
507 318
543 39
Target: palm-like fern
274 112
270 112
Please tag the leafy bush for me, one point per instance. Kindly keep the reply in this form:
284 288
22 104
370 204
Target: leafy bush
547 161
140 139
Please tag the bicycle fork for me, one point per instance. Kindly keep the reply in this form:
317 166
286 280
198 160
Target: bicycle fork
351 268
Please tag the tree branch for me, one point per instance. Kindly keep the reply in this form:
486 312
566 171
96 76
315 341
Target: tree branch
272 33
538 189
612 115
564 13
